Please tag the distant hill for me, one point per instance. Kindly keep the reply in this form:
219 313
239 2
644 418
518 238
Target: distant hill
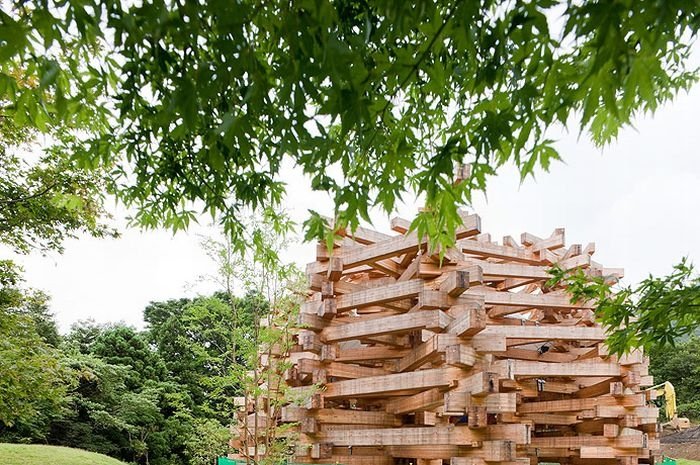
21 454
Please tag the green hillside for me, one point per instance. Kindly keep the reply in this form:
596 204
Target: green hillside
20 454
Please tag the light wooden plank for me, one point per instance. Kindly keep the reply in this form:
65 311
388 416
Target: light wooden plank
387 325
522 299
566 333
572 405
515 368
379 295
473 247
400 245
422 401
340 416
420 355
385 385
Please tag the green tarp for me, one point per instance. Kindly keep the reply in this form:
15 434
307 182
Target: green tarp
226 461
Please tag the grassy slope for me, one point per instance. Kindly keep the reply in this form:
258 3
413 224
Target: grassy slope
20 454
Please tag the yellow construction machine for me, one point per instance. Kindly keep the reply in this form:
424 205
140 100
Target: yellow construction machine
667 390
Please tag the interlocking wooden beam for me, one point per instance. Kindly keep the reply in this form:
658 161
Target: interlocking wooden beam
466 354
417 380
388 325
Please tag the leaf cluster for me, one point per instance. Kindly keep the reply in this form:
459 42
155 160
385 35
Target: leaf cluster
33 377
679 364
654 313
42 204
200 106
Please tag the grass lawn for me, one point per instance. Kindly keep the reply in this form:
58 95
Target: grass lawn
20 454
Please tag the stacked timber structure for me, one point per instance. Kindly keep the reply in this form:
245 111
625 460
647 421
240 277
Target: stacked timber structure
466 359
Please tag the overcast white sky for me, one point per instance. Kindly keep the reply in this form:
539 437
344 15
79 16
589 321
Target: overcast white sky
638 200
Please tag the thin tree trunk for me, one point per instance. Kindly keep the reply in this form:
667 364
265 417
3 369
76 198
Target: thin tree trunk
246 445
256 378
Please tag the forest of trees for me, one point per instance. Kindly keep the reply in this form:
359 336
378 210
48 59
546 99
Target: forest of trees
159 396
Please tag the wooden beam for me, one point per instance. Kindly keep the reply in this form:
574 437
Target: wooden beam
399 225
403 436
388 266
366 354
555 241
379 295
473 247
340 370
340 416
335 268
522 299
455 283
469 320
364 236
426 452
597 389
429 436
461 355
537 356
385 385
515 368
508 270
311 321
422 401
549 418
457 403
567 333
572 405
400 245
420 355
576 442
479 384
533 388
387 325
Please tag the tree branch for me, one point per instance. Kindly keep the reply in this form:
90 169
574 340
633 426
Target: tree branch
29 197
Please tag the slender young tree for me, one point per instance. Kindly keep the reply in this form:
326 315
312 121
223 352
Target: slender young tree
262 345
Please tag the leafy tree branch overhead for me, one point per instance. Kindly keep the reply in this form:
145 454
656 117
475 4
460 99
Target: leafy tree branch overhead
195 105
657 312
43 203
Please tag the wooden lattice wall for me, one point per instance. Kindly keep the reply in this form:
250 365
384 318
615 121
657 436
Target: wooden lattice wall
472 360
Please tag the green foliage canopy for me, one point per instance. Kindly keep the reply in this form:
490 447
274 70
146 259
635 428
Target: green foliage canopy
121 401
45 197
108 389
208 442
681 366
123 345
197 339
31 376
45 202
201 105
